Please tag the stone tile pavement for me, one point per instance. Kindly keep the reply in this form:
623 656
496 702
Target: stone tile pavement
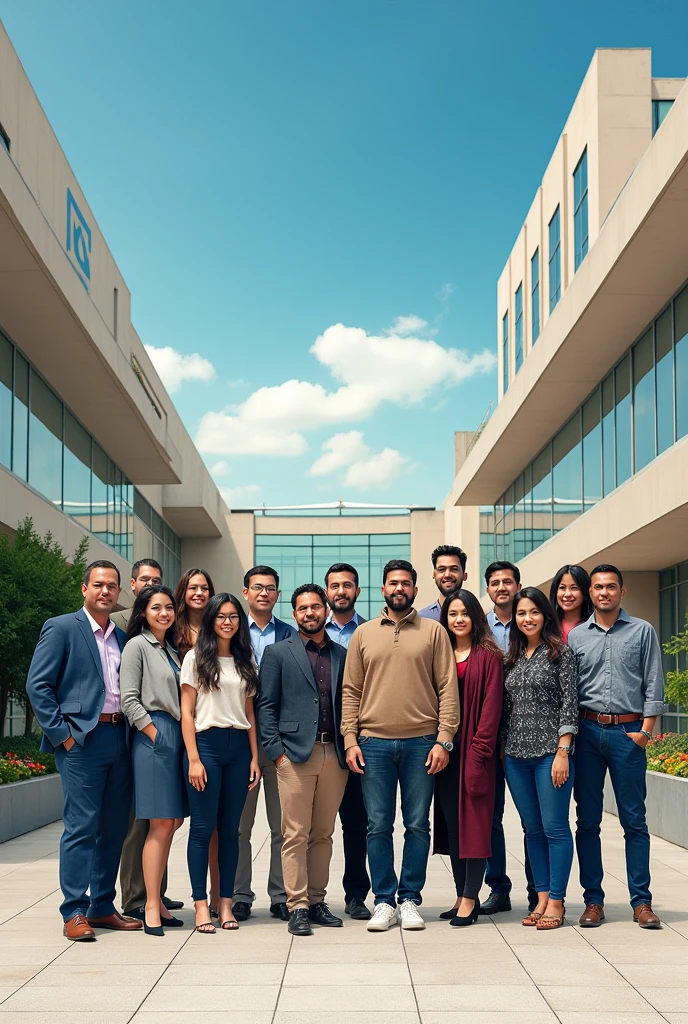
496 972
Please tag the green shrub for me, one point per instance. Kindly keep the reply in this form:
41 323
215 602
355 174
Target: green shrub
17 756
668 754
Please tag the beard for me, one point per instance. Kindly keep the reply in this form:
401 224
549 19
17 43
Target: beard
311 627
448 588
399 602
342 604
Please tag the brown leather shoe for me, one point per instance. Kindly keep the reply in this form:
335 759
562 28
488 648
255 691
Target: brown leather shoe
592 916
116 922
644 915
78 929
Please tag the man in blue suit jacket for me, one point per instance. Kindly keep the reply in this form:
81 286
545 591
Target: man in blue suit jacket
73 686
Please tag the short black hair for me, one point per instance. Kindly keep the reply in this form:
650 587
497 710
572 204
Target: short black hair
145 561
101 563
608 568
449 549
342 567
399 563
494 567
261 570
309 588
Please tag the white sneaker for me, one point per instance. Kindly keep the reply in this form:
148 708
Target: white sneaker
409 916
382 918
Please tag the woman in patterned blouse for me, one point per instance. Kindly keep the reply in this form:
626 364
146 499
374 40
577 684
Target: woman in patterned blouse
540 721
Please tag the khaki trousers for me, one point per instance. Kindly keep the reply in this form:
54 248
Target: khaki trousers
310 794
131 867
242 883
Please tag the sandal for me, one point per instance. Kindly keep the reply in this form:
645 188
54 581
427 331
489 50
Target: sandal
206 928
552 922
531 921
229 926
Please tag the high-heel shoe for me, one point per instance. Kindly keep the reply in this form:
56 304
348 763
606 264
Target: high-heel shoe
159 930
460 922
448 915
171 922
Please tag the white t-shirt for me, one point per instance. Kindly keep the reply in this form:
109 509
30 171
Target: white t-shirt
217 709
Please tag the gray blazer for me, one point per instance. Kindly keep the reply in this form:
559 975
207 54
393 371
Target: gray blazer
147 680
121 619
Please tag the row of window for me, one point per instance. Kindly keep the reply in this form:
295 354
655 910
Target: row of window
42 443
638 411
673 610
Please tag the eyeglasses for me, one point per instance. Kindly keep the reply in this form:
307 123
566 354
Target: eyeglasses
233 618
257 588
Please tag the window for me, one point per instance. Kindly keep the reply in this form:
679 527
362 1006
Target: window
518 329
20 420
566 473
542 497
622 384
664 379
4 139
45 441
592 451
554 260
535 296
681 356
660 109
608 474
643 402
5 402
673 606
76 501
505 351
580 210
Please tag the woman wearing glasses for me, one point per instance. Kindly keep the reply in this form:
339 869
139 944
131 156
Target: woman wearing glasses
219 681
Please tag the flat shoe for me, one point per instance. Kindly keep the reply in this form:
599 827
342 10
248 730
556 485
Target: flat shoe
532 919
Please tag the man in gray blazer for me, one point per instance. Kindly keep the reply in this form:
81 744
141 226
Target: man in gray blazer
299 678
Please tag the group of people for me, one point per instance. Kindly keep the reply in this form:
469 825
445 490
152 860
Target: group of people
186 706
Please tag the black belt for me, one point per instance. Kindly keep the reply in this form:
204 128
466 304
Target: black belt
324 737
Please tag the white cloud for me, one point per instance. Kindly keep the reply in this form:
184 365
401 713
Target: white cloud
220 468
174 368
340 450
410 324
377 470
370 369
445 291
232 495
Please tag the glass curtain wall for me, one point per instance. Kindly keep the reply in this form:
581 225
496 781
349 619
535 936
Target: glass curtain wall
535 296
554 260
518 328
306 558
673 610
580 210
505 351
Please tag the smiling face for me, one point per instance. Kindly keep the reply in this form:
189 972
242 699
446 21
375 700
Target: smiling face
226 621
606 592
570 597
458 620
197 592
502 588
342 591
448 574
159 613
310 613
261 594
101 591
399 590
529 618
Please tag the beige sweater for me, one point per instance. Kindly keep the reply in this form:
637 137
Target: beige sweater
400 681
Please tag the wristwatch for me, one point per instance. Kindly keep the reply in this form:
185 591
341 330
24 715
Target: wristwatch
646 733
448 745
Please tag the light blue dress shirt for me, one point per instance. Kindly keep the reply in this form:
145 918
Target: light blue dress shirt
499 631
431 611
342 634
261 638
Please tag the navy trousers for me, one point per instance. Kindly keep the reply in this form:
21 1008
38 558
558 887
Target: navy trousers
495 876
352 814
97 786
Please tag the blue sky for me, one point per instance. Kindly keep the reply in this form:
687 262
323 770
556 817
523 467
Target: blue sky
266 170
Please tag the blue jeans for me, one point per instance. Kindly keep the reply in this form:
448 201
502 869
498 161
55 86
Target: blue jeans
544 810
598 748
97 787
389 763
495 875
226 757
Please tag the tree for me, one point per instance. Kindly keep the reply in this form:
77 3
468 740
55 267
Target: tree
676 690
37 583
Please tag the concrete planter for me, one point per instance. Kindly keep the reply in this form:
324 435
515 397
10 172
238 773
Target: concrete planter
667 806
29 804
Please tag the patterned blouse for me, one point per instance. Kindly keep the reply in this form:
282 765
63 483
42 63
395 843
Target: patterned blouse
540 703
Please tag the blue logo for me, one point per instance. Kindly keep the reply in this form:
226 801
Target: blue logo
78 240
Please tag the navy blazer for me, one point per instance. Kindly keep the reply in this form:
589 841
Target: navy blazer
65 682
283 630
287 702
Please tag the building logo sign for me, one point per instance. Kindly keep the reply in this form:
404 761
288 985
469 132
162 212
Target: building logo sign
78 240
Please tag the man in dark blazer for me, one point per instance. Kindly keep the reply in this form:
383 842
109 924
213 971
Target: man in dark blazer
73 686
300 678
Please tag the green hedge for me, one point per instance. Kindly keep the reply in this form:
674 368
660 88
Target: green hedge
20 758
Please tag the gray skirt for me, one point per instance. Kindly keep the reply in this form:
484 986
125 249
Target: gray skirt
159 790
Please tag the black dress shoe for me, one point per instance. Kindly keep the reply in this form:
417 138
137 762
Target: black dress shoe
241 910
299 923
495 902
319 913
171 904
449 915
280 910
357 909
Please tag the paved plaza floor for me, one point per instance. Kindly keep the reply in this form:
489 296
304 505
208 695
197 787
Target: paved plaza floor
495 972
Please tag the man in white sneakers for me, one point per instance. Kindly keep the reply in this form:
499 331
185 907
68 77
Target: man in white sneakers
400 713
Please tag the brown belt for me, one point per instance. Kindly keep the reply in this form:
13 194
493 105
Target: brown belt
602 719
113 719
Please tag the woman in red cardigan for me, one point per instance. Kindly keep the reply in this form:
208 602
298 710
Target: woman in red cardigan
465 790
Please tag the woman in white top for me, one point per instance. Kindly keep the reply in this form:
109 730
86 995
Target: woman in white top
219 681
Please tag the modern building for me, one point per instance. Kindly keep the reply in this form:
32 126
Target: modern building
585 458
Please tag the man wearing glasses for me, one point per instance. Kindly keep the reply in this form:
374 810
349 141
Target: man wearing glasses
261 592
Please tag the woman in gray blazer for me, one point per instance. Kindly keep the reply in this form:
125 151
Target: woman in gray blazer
149 681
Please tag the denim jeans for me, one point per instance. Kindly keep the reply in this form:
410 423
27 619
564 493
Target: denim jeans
495 875
389 763
544 810
598 748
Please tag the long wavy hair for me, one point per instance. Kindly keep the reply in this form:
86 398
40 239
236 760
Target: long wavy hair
183 633
481 634
138 622
551 628
583 580
205 652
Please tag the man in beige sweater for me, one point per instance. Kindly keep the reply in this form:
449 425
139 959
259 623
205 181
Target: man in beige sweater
400 713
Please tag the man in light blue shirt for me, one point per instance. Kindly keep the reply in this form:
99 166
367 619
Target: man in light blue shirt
341 585
449 574
261 592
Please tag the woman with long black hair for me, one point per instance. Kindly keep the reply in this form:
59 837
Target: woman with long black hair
219 681
540 721
149 681
194 590
569 595
465 790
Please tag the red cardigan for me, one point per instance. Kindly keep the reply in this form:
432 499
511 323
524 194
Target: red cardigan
481 711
